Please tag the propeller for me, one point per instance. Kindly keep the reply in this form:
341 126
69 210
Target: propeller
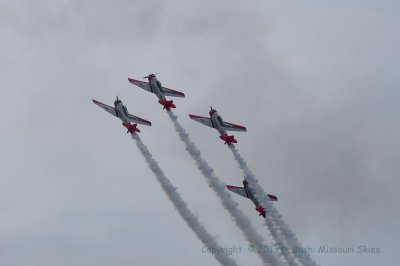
116 102
212 110
150 75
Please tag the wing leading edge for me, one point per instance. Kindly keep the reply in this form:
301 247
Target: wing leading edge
139 120
106 107
204 120
146 86
141 84
169 92
233 127
238 190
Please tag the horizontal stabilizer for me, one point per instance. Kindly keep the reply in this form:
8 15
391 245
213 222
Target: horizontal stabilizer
262 211
131 128
228 139
167 104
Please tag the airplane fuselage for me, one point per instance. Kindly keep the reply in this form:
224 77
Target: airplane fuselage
217 122
156 88
122 112
251 194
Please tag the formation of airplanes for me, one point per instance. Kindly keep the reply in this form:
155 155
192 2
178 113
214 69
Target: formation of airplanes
220 125
215 121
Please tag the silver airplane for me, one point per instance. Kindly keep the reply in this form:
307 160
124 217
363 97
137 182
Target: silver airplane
121 112
248 192
154 86
216 122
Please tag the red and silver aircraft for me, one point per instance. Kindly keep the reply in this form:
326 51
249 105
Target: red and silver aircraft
120 111
249 192
216 122
155 87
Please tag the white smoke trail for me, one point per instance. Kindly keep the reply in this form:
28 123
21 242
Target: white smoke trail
220 189
280 243
284 229
182 207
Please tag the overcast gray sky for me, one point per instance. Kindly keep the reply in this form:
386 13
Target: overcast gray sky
316 83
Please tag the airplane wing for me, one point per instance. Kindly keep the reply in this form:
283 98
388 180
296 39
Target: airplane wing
169 92
232 127
272 197
238 190
204 120
109 109
139 120
141 84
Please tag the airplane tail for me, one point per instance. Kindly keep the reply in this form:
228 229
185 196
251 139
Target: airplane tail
228 139
262 211
167 104
131 128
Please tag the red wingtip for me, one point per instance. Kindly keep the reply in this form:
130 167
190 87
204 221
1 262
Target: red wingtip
135 80
273 197
229 186
196 116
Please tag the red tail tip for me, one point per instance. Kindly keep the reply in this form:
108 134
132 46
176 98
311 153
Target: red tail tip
228 139
131 128
167 104
261 211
